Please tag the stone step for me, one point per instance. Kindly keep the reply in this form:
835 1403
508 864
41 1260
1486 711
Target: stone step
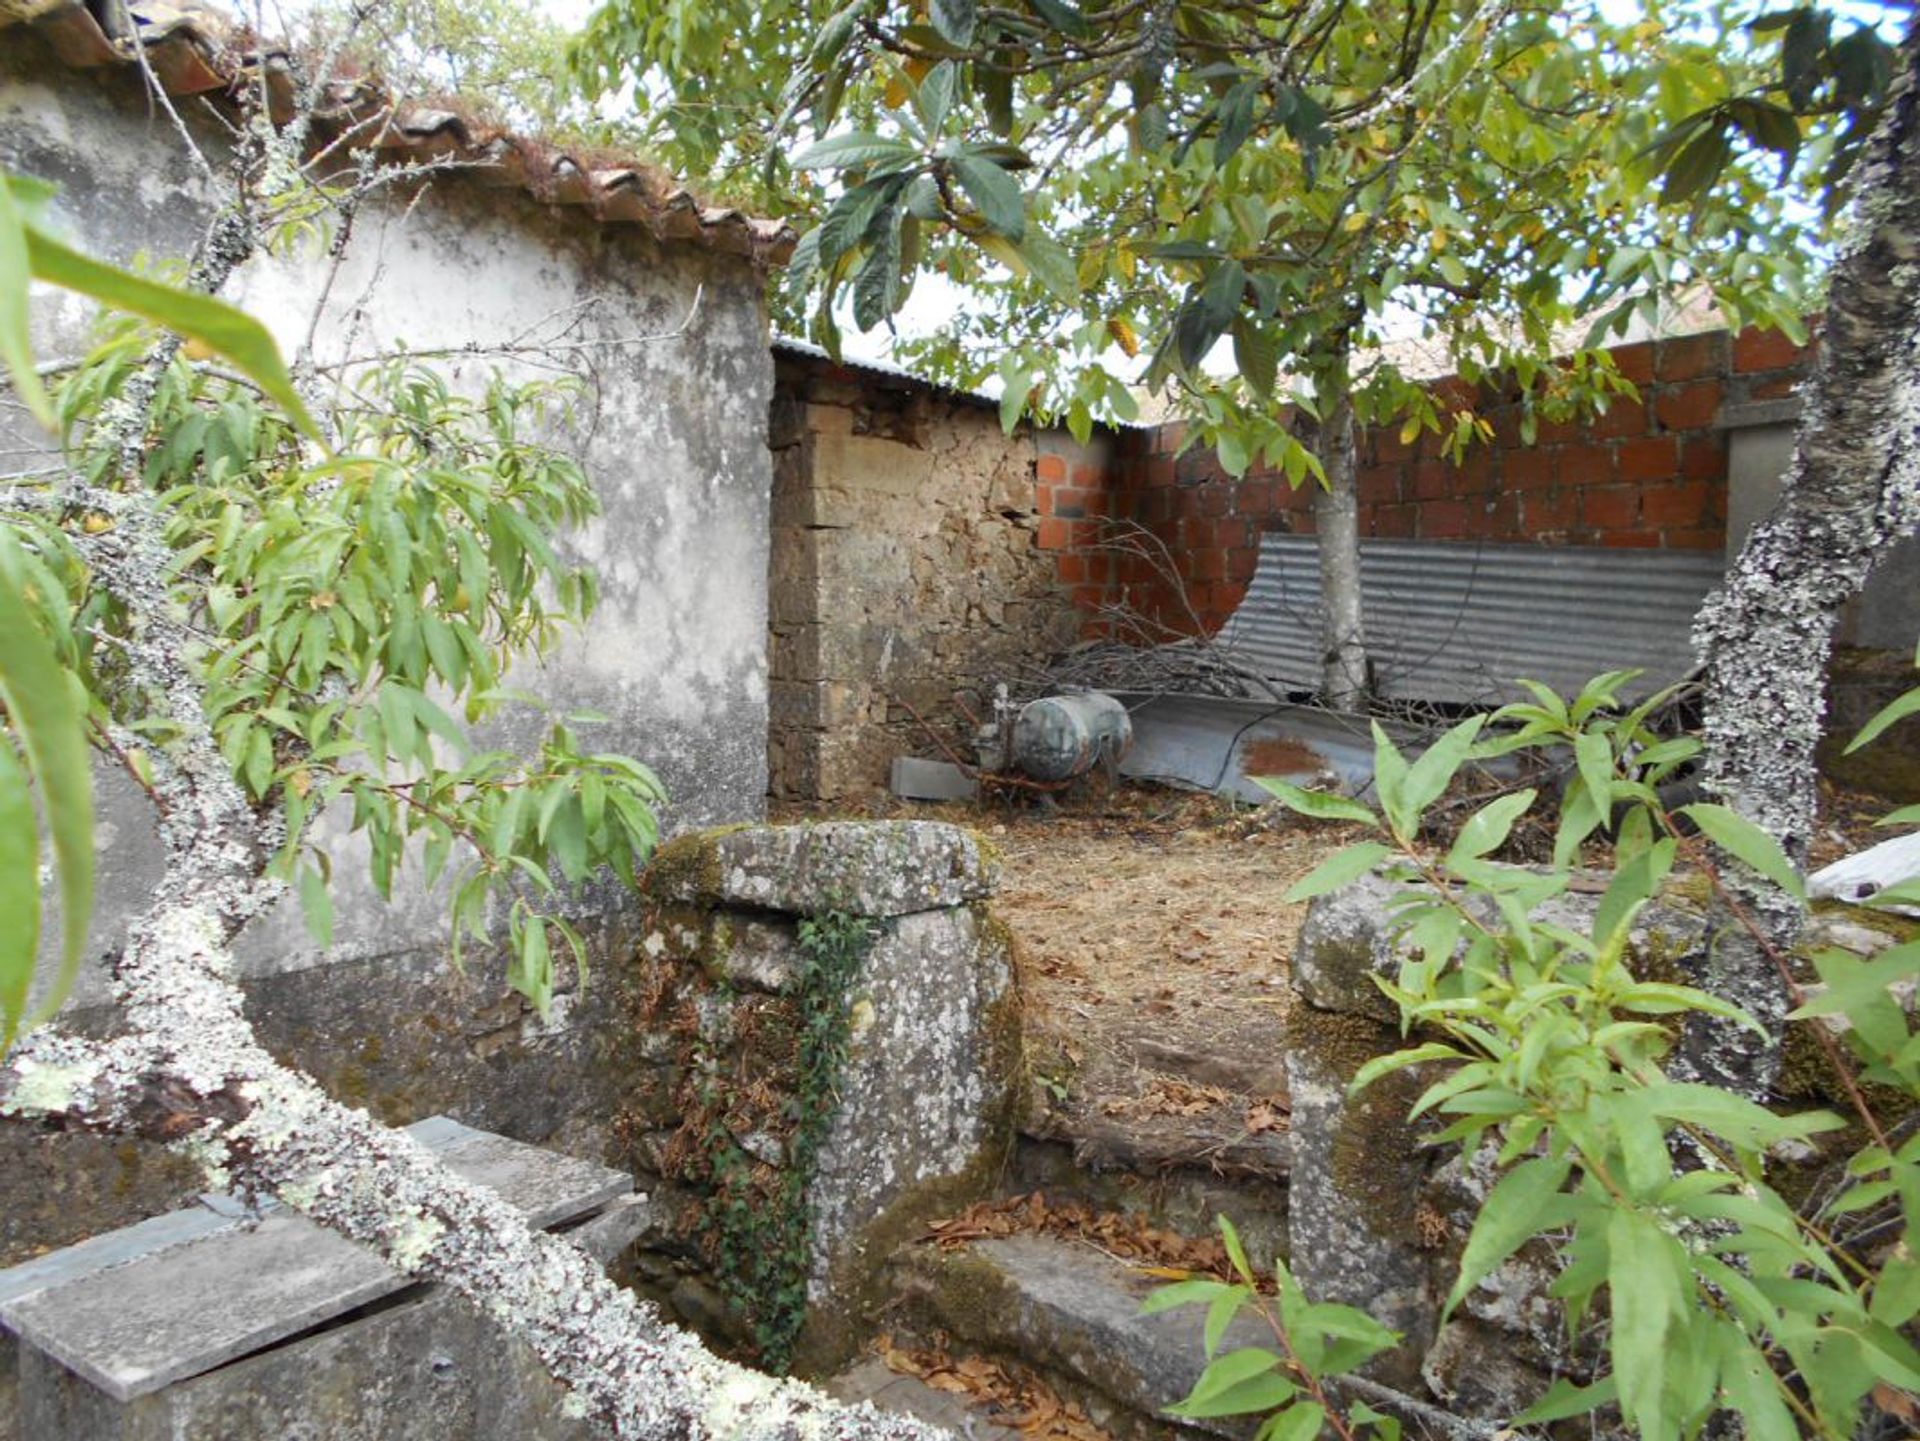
1074 1314
1188 1199
871 1379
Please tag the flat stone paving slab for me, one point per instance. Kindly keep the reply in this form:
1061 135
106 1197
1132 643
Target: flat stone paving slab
138 1309
873 1380
1071 1310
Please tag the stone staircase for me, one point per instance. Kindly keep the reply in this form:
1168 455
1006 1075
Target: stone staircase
1064 1307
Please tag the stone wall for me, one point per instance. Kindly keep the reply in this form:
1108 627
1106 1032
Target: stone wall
908 565
674 439
799 1107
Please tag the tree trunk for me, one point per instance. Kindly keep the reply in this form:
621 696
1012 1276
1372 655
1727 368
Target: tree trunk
1852 490
1336 514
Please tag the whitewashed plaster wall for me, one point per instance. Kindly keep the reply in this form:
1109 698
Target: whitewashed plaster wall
674 438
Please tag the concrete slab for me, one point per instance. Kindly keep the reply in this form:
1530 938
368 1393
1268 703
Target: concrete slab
158 1303
915 779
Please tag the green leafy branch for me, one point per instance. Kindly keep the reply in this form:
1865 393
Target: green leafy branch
345 607
42 745
1317 1343
1548 1047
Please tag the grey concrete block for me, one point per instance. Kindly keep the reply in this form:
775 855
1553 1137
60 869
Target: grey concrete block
142 1309
868 868
922 780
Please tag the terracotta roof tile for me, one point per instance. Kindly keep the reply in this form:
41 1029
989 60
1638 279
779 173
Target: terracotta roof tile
194 50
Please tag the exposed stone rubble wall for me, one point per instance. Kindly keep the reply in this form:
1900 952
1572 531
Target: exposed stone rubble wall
908 564
923 1115
919 552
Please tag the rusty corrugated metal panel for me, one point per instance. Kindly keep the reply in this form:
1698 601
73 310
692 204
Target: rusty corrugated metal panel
1215 743
1457 621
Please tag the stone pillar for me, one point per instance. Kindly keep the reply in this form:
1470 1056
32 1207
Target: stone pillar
784 1190
1378 1219
1354 1198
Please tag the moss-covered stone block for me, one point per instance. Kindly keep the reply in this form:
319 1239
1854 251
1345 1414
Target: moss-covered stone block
804 1181
865 868
1358 1173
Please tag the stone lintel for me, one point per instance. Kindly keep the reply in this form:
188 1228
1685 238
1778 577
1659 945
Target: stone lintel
868 868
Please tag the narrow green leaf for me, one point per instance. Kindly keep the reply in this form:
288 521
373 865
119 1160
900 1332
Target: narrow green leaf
1889 715
1338 869
1184 1293
316 904
1511 1215
568 839
1487 829
1741 838
1236 1253
1647 1295
1321 805
215 324
1564 1399
16 340
19 889
1301 1423
48 720
1896 1293
1250 1397
1230 1370
1385 1065
1220 1316
1752 1389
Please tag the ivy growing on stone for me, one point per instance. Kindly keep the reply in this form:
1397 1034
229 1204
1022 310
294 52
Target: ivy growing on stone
759 1221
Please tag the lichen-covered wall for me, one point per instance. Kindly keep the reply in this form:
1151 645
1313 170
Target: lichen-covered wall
674 438
908 565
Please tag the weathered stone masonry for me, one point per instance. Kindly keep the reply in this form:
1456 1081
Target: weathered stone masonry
920 553
916 1118
909 563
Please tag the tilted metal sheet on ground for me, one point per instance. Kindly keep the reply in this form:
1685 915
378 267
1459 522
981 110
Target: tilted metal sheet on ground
1215 743
1459 621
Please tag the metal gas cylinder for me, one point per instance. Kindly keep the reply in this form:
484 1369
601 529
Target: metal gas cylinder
1062 736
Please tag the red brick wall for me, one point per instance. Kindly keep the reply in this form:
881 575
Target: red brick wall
1651 472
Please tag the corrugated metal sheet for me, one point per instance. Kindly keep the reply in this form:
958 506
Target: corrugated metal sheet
1213 743
1459 621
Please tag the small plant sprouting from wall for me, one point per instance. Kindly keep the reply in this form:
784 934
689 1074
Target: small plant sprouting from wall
757 1136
